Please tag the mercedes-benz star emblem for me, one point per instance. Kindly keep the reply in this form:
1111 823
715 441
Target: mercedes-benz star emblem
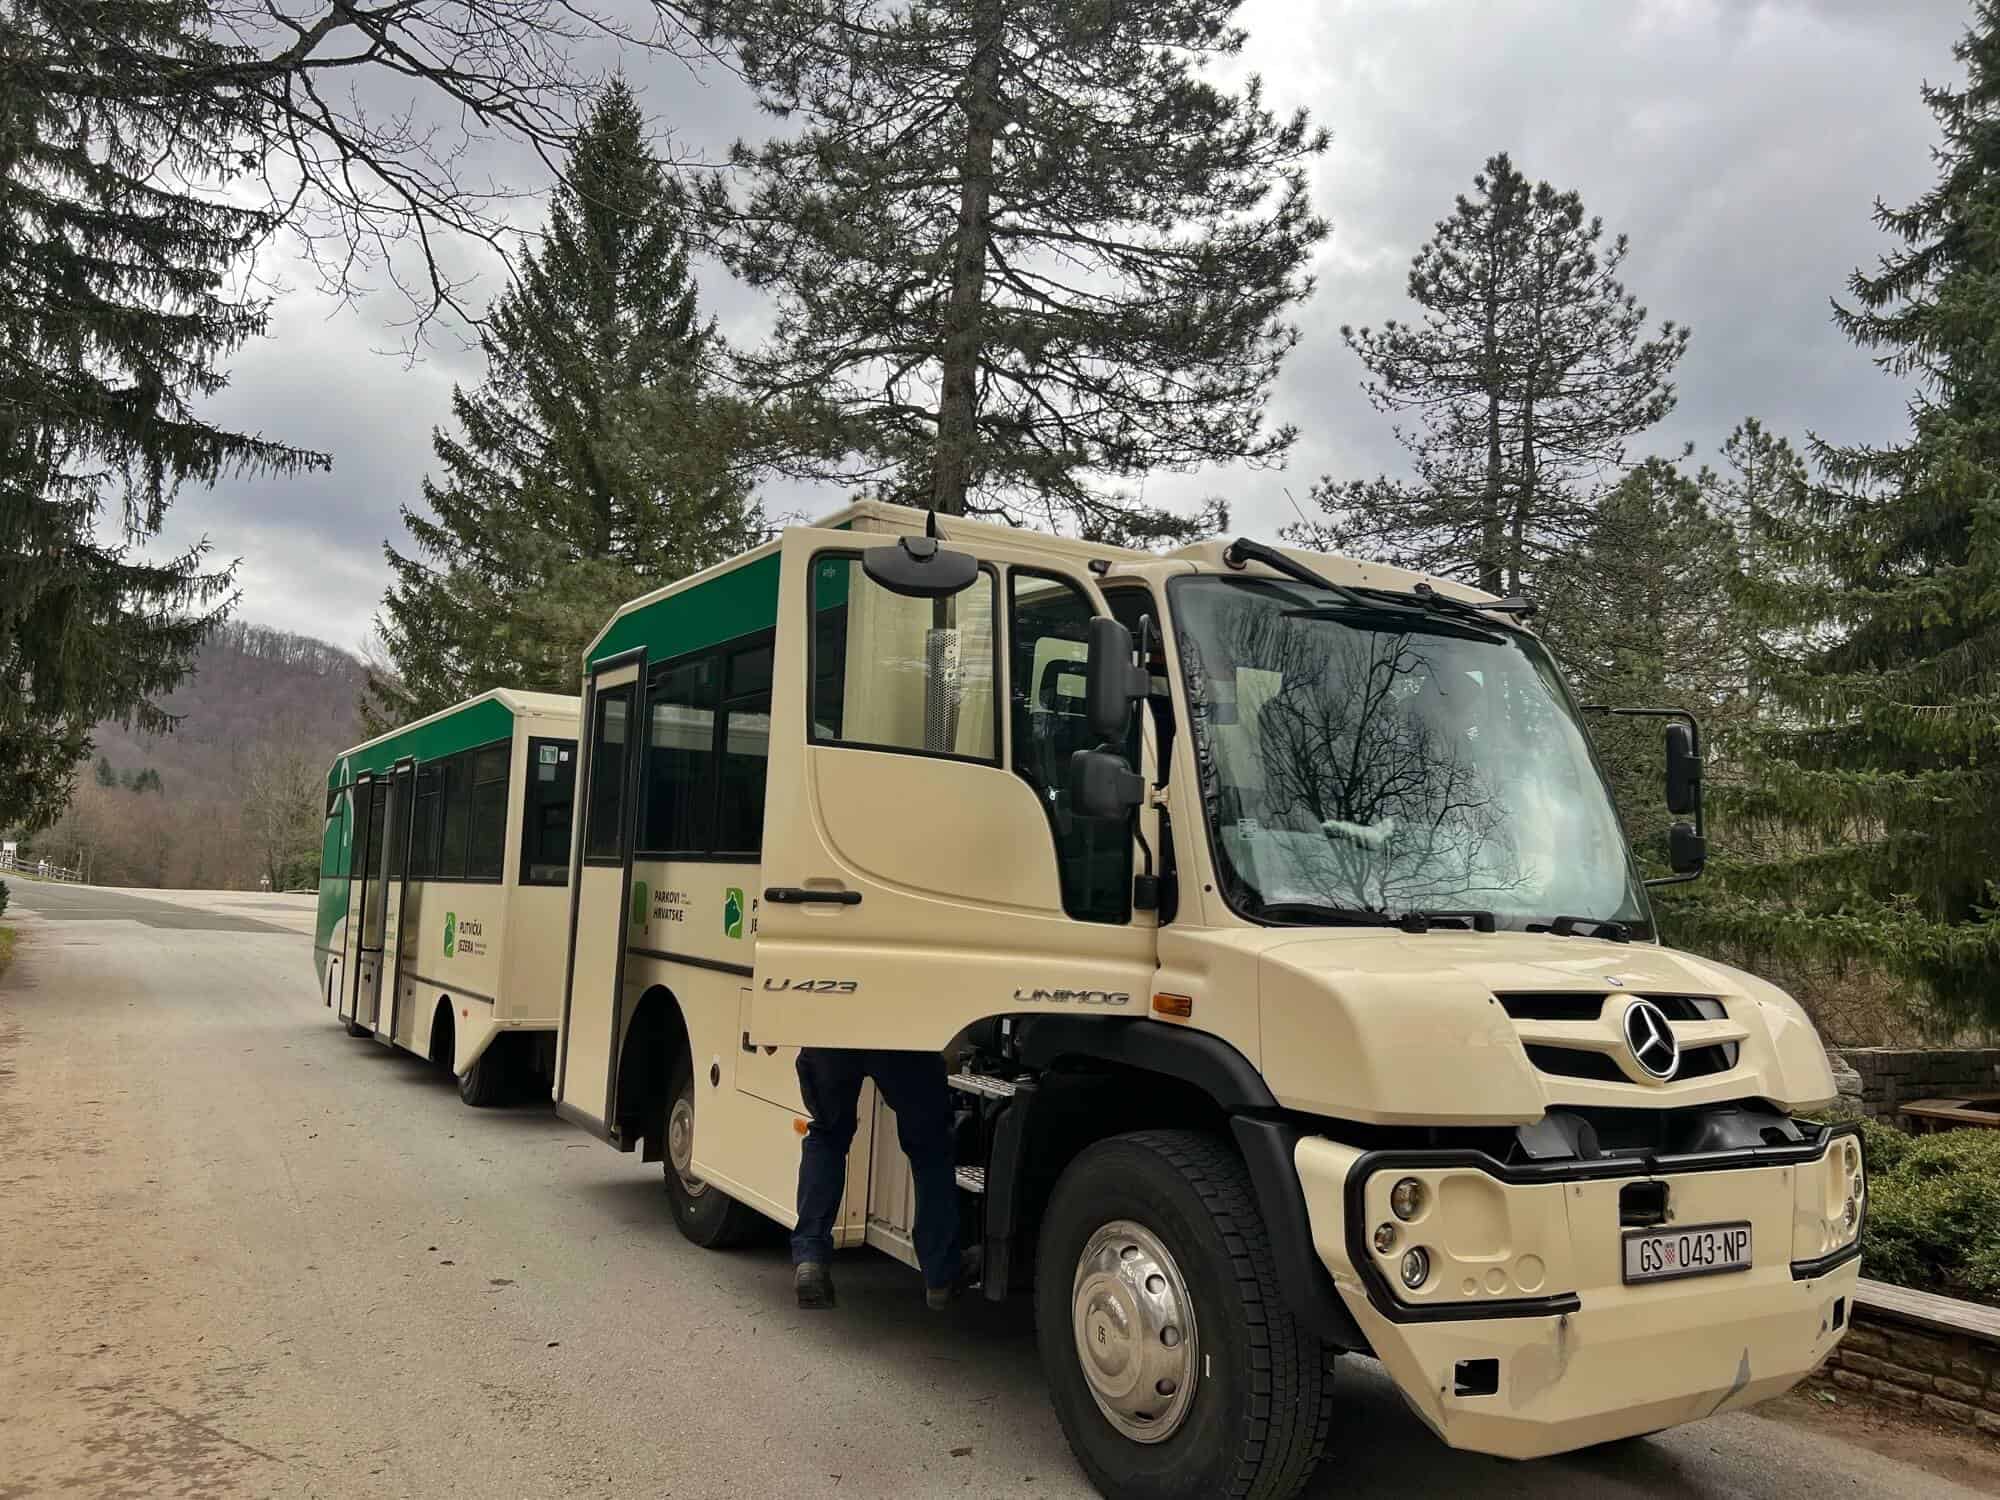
1651 1039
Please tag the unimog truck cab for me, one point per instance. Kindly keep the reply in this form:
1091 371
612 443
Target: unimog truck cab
1302 993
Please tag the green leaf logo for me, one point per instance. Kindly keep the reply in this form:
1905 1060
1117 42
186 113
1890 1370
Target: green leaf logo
450 933
732 911
639 903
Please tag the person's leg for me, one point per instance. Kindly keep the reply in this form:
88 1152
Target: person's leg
913 1084
830 1080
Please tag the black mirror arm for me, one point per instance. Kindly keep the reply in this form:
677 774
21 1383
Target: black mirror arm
1680 716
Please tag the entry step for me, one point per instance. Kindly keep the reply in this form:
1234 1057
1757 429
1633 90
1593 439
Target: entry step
982 1083
972 1179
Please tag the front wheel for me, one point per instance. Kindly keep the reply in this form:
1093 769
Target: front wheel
706 1214
1174 1365
484 1084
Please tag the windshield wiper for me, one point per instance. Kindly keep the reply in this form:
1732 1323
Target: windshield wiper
1313 914
1431 598
1243 550
1605 927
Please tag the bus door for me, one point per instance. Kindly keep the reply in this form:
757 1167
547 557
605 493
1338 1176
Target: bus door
923 867
396 891
600 885
363 844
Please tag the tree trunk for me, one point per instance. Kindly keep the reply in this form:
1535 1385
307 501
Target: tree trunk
1489 499
958 396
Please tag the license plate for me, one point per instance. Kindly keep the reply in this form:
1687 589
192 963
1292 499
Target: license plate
1697 1250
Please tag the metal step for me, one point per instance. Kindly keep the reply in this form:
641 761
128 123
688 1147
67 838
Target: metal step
972 1179
981 1083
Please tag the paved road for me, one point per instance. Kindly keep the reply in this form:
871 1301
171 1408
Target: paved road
242 1254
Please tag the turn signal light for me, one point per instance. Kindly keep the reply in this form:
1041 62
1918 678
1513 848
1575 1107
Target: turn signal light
1181 1006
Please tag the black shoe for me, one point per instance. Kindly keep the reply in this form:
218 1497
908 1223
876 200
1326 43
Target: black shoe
814 1284
970 1264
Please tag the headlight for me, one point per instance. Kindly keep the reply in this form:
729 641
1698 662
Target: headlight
1416 1267
1385 1237
1406 1199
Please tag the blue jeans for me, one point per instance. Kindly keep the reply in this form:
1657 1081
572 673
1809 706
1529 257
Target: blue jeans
913 1085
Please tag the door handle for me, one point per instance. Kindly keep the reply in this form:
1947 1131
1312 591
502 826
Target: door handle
800 895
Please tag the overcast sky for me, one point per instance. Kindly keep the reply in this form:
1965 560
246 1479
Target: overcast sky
1739 143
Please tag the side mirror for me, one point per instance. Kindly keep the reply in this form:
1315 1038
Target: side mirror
1112 684
1101 785
1683 771
918 568
1687 851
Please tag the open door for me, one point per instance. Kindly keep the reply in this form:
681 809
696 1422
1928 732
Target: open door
600 883
923 869
396 892
364 849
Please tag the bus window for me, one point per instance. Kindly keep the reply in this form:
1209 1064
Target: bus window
680 756
424 827
604 836
746 753
550 808
487 851
455 796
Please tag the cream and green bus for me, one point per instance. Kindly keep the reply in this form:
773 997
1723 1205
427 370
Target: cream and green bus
443 875
1303 997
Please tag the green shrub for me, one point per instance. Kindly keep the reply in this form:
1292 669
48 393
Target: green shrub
1933 1211
3 898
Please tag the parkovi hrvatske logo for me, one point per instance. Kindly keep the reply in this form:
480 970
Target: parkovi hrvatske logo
450 934
732 911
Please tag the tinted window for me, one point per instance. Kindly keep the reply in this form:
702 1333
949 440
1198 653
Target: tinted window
487 845
746 752
424 826
604 838
901 674
1050 620
680 757
550 807
455 796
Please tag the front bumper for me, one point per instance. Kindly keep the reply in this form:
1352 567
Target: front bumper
1527 1273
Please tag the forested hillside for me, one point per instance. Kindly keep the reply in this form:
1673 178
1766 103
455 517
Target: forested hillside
233 791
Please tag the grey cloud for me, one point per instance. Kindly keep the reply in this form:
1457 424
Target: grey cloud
1740 143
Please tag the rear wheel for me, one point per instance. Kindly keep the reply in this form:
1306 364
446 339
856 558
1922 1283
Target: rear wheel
1174 1365
484 1084
706 1214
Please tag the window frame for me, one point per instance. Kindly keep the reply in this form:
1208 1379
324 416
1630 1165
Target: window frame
721 654
1131 864
632 694
522 862
990 573
470 758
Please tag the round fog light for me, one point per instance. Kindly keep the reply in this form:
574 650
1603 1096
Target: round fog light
1406 1198
1416 1267
1385 1237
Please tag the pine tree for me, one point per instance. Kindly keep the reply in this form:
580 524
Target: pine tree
113 317
593 463
105 775
1531 369
1876 795
1023 250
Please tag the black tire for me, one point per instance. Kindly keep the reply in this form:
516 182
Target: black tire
706 1214
355 1028
484 1084
1262 1395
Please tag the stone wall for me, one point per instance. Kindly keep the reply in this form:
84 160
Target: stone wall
1954 1377
1890 1077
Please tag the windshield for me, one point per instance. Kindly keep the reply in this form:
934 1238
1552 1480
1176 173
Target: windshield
1389 760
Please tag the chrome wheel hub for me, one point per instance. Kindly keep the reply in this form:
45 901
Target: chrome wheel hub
680 1145
1135 1331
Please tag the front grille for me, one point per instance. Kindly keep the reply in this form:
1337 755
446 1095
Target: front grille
1562 1056
1569 1062
1553 1007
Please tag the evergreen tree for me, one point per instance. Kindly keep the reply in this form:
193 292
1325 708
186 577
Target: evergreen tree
1531 369
105 775
592 464
1876 784
1020 248
113 316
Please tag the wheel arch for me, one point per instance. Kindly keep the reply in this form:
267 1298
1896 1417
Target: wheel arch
444 1035
1103 1078
656 1035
